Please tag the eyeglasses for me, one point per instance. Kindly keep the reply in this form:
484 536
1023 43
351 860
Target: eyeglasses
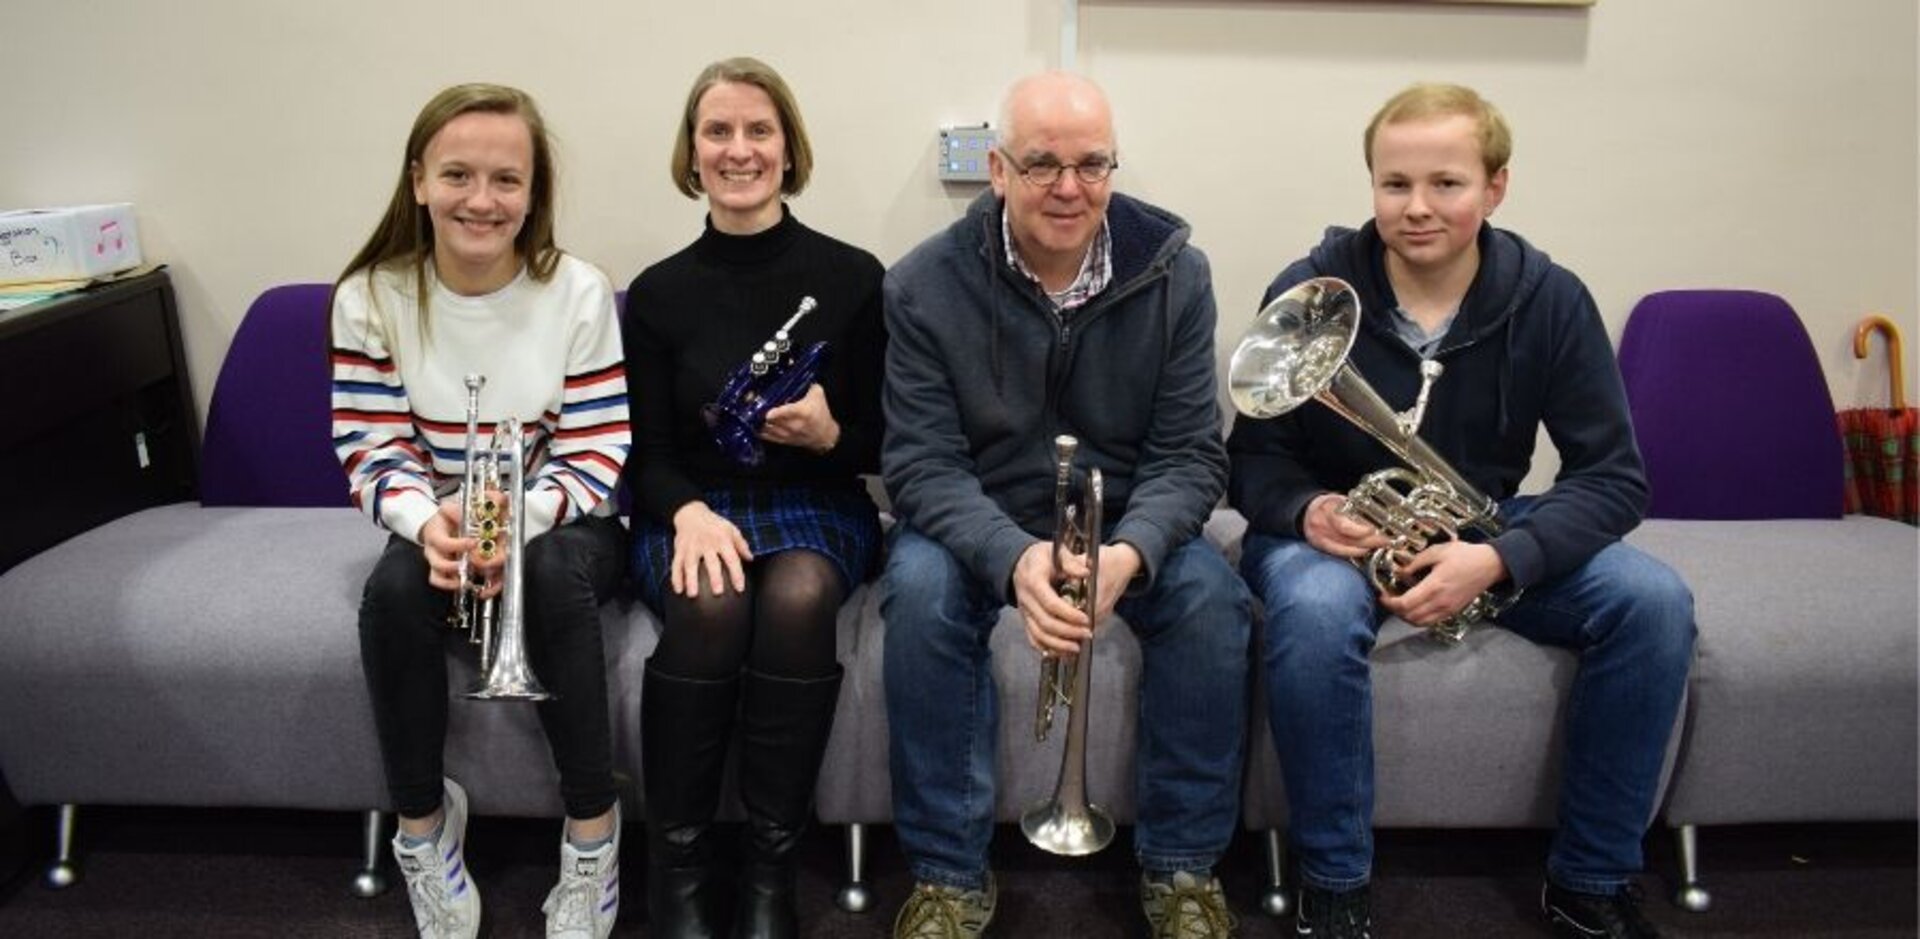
1044 172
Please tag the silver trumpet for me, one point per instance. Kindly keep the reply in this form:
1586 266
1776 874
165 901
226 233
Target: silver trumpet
496 624
1067 824
1296 351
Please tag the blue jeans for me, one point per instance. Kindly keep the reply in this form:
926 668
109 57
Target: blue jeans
1628 617
1193 625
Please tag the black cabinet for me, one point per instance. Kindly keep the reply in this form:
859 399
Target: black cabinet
97 418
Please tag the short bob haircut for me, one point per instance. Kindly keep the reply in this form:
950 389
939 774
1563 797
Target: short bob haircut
747 71
1433 99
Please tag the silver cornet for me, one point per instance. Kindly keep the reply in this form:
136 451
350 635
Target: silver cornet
496 624
1296 351
1067 824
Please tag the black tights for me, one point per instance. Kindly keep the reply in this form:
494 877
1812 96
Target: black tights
782 625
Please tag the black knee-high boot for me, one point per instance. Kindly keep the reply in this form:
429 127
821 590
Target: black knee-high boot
686 727
784 724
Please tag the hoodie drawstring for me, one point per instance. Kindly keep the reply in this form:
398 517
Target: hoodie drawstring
1506 376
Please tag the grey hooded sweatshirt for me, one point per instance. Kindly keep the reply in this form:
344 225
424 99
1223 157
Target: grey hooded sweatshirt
982 373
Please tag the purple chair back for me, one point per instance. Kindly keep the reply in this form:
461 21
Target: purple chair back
1730 407
269 436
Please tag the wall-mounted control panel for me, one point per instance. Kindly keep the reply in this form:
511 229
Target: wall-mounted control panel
963 153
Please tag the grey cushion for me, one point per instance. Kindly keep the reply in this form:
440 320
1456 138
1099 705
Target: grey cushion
1804 685
1464 736
209 656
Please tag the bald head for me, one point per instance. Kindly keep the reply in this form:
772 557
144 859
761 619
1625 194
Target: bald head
1056 131
1049 103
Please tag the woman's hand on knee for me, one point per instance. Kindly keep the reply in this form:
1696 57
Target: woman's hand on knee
707 548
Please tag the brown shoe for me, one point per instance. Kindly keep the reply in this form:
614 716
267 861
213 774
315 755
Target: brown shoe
1187 907
935 911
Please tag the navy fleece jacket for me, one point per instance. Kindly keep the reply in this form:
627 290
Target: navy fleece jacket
981 375
1527 348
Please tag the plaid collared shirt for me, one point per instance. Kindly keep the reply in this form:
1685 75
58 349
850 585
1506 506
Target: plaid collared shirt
1096 269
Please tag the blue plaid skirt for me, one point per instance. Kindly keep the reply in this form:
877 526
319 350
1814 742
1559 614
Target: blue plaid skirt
841 524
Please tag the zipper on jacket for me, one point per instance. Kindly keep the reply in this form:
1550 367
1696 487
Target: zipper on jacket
1057 381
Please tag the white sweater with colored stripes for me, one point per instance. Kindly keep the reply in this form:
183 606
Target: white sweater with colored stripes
551 356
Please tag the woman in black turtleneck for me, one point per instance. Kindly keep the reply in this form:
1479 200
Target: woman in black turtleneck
747 565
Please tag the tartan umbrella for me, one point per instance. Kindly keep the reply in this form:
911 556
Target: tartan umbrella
1883 444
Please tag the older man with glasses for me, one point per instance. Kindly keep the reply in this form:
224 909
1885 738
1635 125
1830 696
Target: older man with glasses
1056 306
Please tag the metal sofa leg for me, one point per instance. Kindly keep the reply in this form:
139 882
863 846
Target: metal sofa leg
371 882
1691 896
854 896
63 872
1274 901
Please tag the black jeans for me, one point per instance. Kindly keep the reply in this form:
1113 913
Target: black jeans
568 572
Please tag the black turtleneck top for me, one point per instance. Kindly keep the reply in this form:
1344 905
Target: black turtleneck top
695 316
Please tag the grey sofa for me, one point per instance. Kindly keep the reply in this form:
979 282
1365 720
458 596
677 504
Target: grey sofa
204 655
1803 696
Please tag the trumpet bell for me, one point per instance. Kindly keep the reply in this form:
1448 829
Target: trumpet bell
1059 829
519 687
1294 348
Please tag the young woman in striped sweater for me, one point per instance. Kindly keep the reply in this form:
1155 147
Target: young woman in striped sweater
462 277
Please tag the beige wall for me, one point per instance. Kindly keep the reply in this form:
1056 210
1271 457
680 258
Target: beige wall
1768 144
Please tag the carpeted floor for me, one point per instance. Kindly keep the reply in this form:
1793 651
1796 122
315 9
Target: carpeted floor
203 873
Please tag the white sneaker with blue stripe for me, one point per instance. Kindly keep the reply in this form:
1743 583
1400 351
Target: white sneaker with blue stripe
584 904
446 904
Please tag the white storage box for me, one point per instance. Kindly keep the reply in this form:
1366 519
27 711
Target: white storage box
72 243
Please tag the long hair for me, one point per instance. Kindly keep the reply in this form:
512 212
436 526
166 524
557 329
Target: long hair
747 71
404 236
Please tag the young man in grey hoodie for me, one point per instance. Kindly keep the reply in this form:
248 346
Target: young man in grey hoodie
1056 306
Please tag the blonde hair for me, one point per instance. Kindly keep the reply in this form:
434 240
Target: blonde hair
745 70
1437 99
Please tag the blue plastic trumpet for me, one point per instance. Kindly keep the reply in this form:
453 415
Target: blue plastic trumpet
774 376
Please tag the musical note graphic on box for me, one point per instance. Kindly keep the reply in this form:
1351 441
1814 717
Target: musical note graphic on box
110 234
68 243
